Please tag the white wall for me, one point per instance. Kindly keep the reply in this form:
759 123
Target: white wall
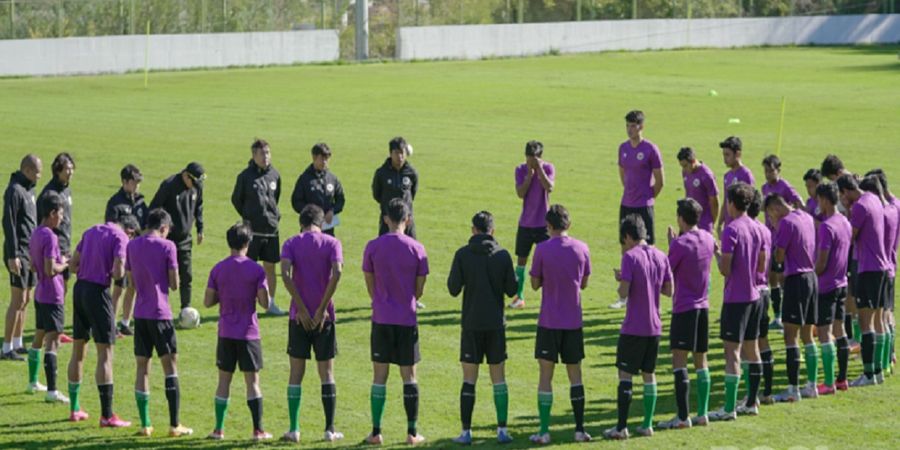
478 41
116 54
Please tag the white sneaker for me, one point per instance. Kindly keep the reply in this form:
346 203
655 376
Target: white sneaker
675 424
517 303
274 310
790 395
35 387
720 415
582 436
863 380
420 305
56 397
744 410
540 439
616 434
879 377
333 436
809 391
618 304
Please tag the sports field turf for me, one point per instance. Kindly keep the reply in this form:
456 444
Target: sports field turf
468 122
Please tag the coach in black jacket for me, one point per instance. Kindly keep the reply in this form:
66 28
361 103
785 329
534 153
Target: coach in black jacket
255 197
396 178
129 194
319 186
483 271
19 221
63 167
181 195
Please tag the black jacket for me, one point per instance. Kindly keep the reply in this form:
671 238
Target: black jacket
319 188
483 271
183 204
255 198
136 203
64 231
19 217
389 184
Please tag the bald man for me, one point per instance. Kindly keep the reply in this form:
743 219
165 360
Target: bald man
19 221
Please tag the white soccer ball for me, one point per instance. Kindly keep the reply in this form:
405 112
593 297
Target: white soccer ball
189 318
409 150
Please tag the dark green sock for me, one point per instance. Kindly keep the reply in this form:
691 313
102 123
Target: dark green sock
501 403
377 400
731 388
520 278
703 387
143 405
649 405
545 404
74 391
828 351
857 330
294 392
221 409
34 363
812 364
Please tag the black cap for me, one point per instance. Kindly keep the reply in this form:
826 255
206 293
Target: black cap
732 142
196 172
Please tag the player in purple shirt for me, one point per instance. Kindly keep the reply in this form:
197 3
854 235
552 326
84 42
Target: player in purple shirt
49 295
737 172
812 179
867 219
644 275
237 284
151 266
832 252
740 259
98 258
765 298
775 184
311 265
395 267
700 185
562 265
534 183
690 257
892 239
794 246
640 171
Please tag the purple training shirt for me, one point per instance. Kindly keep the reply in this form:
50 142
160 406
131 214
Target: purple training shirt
785 190
867 216
537 199
796 235
396 261
743 242
311 256
690 258
765 237
834 236
149 260
561 263
99 247
742 174
45 245
638 164
700 185
646 269
891 228
236 280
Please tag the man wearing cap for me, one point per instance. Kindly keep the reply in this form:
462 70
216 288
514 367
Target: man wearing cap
255 197
129 198
181 195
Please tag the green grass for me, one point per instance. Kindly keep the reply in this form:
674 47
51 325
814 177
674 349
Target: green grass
468 122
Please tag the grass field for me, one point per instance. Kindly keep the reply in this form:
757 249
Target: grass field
468 122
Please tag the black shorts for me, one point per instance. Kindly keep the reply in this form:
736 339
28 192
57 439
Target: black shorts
646 213
395 344
636 354
800 302
302 342
831 306
852 275
526 238
66 274
890 294
158 334
476 345
735 319
751 333
870 290
264 248
26 279
49 317
120 282
690 331
566 346
92 314
239 352
765 299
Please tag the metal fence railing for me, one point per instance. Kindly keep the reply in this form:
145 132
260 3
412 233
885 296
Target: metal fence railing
23 19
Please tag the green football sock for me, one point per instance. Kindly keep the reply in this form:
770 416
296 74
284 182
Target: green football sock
703 387
545 403
501 403
649 405
731 388
74 391
377 399
828 363
812 363
888 350
221 409
294 393
857 331
34 363
143 405
520 278
879 351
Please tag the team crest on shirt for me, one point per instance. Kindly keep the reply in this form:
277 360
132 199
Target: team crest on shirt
272 185
406 181
390 181
640 156
32 198
329 188
696 182
70 201
194 196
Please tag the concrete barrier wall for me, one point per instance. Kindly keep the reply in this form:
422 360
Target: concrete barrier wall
479 41
116 54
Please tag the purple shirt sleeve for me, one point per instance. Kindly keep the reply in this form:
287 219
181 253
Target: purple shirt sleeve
675 254
171 256
128 259
520 174
337 252
626 267
51 250
667 276
261 282
423 263
550 171
709 182
587 261
286 251
655 158
729 240
119 246
793 196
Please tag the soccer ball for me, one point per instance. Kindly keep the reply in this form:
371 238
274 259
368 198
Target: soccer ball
409 150
189 318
